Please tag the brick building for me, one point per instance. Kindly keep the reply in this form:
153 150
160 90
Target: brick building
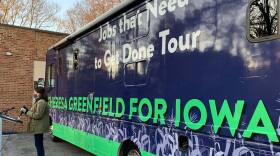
22 61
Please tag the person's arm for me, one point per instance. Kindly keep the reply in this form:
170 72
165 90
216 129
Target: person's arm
40 110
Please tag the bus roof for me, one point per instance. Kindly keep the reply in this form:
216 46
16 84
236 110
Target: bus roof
94 23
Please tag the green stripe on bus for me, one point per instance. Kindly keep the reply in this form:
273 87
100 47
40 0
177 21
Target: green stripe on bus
144 153
89 142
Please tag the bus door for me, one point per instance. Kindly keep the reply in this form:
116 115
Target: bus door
83 87
51 75
51 81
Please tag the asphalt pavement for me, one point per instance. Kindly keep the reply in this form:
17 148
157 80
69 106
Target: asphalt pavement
23 145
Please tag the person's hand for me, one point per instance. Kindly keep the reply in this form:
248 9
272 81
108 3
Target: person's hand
24 110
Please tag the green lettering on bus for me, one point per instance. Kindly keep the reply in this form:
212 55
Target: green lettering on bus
133 109
225 113
111 113
89 103
178 113
195 103
119 103
261 115
80 104
145 102
95 103
105 106
160 110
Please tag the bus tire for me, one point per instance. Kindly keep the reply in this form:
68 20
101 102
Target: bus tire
129 149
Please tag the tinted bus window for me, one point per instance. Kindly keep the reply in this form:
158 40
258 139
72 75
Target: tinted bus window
135 25
141 72
144 19
59 65
263 19
130 73
136 73
76 60
51 76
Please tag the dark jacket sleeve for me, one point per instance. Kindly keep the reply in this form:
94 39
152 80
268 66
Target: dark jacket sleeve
40 110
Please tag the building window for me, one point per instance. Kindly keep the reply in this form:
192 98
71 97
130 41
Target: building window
263 19
136 73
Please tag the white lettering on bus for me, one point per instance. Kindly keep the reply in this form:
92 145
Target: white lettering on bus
183 42
165 5
110 59
126 24
107 32
130 54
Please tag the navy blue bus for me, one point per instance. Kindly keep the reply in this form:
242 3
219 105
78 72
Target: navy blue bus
171 77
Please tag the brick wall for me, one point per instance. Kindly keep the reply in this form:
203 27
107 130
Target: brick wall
16 71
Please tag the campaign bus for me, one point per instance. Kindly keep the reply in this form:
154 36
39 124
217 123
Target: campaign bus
170 77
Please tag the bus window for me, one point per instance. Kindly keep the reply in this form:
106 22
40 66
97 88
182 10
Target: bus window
51 76
136 25
143 28
130 74
141 72
136 73
76 60
59 65
263 19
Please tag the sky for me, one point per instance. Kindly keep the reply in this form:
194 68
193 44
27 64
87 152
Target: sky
64 5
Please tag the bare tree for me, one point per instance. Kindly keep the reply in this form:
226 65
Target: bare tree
84 12
28 13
